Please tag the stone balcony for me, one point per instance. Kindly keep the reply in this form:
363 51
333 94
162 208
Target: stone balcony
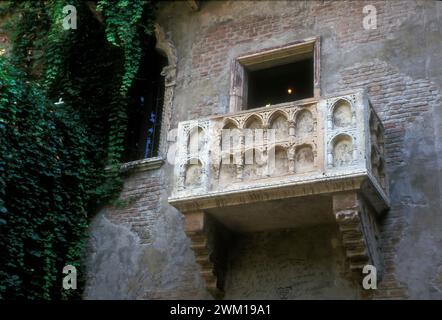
289 165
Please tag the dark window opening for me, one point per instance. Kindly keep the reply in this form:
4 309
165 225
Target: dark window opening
145 106
283 83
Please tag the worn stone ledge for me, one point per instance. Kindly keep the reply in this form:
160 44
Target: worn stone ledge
142 165
314 185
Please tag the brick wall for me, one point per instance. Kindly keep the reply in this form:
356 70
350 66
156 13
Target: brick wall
400 101
139 205
212 44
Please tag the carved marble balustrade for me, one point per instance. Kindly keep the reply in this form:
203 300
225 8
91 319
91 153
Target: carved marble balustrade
289 165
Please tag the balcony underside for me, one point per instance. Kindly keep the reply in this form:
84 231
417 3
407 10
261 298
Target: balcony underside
276 214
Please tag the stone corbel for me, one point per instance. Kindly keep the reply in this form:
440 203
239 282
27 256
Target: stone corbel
359 230
210 242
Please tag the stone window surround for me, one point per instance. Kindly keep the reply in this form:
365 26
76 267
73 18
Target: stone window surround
270 58
165 47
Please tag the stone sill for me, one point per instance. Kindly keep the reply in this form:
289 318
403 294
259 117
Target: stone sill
142 165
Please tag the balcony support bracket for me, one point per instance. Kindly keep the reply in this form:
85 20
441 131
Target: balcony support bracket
209 241
358 226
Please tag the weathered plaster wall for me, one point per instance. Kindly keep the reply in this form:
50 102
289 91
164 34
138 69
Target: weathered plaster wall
307 263
141 251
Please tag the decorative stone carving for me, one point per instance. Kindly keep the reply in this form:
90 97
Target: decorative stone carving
331 148
192 163
342 114
196 141
281 162
342 151
280 124
166 47
193 175
304 159
252 145
344 131
254 122
304 123
253 164
228 172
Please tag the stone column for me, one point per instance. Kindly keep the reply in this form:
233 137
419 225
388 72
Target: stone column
239 160
169 73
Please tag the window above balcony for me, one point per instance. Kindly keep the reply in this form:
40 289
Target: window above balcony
274 76
284 83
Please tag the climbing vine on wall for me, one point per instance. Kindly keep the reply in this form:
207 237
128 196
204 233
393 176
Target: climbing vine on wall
63 117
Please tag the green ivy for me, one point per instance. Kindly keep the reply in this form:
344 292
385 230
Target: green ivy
53 155
127 21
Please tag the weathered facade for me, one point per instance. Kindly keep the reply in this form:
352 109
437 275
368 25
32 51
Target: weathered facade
357 172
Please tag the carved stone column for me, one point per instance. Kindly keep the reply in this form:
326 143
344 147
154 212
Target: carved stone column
359 231
169 73
291 159
240 157
167 48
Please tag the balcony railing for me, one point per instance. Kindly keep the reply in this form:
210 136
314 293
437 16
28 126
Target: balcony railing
281 145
